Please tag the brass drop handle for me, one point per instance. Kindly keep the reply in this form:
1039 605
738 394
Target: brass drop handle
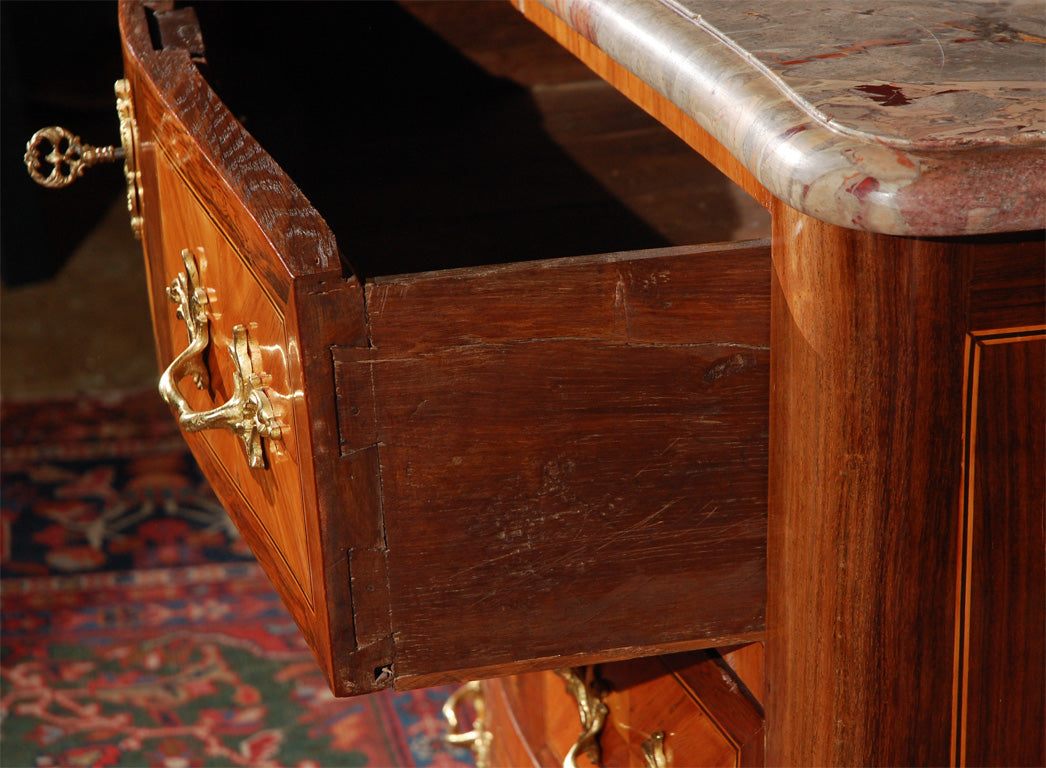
479 738
588 693
66 155
654 751
248 413
55 157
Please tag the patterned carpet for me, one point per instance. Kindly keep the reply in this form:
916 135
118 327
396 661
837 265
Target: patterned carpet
138 631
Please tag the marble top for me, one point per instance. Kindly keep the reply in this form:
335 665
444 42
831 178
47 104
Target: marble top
908 118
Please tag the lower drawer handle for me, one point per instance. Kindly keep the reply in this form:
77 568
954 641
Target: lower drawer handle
588 692
654 751
479 738
248 413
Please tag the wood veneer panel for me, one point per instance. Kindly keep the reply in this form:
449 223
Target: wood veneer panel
1000 656
1003 587
694 699
272 497
509 747
867 453
534 719
738 717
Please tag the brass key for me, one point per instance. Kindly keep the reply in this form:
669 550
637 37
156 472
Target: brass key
68 157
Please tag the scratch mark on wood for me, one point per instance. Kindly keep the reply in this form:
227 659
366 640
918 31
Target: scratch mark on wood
637 525
712 511
728 366
622 308
417 408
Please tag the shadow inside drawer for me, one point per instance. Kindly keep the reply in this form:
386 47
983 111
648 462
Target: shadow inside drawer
420 158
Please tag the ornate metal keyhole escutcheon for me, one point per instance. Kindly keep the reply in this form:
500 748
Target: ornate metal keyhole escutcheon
56 157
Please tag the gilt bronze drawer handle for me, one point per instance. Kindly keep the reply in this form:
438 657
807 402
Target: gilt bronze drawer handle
582 685
654 750
248 413
68 156
479 738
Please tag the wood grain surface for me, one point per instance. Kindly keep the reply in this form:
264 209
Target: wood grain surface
269 261
534 720
695 699
867 434
571 456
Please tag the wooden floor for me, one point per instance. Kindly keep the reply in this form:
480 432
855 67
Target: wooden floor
456 134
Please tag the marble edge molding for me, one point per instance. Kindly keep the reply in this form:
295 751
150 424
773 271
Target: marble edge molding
845 177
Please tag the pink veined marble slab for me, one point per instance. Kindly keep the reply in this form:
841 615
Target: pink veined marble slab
906 118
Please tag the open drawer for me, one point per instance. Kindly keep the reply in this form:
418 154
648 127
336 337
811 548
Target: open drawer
454 462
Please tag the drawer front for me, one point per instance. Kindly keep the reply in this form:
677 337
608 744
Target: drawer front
679 710
220 214
267 500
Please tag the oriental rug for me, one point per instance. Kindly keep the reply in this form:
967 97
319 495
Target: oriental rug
93 484
138 631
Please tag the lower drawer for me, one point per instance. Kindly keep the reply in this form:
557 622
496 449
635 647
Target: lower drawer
680 710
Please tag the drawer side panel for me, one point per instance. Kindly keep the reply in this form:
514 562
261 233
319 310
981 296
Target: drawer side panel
581 468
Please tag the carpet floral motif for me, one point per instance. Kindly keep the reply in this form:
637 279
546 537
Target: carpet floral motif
90 486
138 631
198 666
